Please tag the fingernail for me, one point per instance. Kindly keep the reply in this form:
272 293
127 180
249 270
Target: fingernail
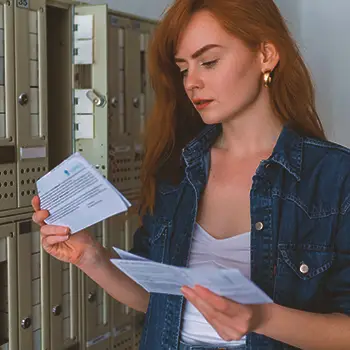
63 238
186 291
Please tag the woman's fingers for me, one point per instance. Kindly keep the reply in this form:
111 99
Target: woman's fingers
39 217
36 203
48 241
51 230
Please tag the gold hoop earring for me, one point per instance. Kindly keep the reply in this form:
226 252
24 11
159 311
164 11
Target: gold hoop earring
267 79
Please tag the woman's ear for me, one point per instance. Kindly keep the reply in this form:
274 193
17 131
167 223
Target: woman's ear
269 56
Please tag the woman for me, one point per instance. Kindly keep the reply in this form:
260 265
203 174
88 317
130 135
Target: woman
237 171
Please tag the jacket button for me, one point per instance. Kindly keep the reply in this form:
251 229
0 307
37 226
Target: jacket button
259 226
304 268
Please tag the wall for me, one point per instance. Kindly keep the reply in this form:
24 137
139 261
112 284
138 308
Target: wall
324 41
291 10
152 9
327 51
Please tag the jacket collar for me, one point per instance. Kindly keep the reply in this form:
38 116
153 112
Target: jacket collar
288 151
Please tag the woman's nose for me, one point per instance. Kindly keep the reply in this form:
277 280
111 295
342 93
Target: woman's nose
193 81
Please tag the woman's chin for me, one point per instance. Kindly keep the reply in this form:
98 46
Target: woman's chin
211 120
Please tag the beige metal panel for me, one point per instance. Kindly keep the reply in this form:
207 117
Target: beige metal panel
104 300
56 304
138 323
91 140
31 97
8 289
95 307
63 294
123 337
33 306
95 149
7 73
2 99
27 283
63 305
64 298
124 102
144 32
11 212
25 306
147 29
71 335
121 315
59 49
137 336
8 193
44 334
7 186
29 171
133 223
3 250
2 16
121 149
34 73
133 95
117 28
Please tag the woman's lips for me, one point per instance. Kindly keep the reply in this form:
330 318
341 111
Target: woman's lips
202 104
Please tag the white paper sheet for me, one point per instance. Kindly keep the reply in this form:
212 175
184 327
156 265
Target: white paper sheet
166 279
78 196
128 256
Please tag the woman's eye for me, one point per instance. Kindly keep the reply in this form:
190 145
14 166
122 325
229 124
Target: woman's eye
210 64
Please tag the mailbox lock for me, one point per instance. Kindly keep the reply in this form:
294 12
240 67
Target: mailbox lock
136 102
26 323
23 99
91 297
56 310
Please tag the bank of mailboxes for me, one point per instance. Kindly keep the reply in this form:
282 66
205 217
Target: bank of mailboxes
113 109
72 78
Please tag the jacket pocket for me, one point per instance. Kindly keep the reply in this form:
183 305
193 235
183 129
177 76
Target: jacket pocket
302 275
306 261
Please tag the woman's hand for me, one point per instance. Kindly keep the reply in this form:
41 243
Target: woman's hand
231 320
57 241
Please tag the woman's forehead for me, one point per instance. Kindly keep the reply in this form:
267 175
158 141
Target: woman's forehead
203 29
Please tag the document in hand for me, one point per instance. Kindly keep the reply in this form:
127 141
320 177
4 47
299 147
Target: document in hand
161 278
77 195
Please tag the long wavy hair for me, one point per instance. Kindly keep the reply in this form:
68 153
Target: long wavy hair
174 121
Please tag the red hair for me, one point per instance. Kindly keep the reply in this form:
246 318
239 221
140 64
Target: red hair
174 121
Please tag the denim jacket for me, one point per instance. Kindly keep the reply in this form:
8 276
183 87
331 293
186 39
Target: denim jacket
300 231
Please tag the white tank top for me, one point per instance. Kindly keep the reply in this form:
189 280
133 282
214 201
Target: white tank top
233 252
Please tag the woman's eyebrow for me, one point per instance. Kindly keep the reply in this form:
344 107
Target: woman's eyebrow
199 52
